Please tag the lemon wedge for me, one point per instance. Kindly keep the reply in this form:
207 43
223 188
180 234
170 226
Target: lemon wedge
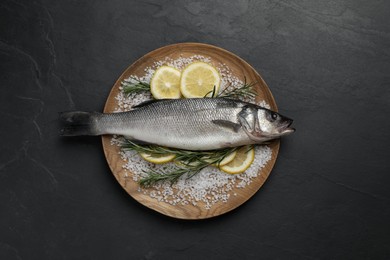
165 83
243 159
157 159
199 79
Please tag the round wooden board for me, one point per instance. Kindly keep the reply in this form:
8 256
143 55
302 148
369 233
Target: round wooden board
240 69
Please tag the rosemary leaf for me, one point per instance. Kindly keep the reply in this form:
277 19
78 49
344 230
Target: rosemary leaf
135 86
244 91
172 176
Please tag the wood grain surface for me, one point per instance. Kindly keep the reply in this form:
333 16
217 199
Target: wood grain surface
241 70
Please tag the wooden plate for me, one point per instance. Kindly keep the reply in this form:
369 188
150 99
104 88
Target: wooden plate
240 69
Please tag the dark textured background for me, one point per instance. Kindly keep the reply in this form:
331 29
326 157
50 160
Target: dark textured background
327 64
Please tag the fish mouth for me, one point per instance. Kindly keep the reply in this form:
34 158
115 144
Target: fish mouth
285 128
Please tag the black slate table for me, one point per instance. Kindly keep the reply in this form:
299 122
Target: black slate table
327 64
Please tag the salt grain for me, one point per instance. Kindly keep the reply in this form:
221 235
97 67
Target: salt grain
210 185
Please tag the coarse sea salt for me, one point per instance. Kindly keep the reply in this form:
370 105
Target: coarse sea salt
210 185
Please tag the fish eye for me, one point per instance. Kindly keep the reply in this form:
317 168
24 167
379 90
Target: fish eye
274 115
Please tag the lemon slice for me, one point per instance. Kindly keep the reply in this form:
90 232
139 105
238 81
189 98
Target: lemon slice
157 159
198 79
165 83
227 159
243 159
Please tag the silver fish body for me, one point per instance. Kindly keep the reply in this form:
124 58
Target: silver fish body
192 124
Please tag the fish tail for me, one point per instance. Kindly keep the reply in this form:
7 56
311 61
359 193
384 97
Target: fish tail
75 123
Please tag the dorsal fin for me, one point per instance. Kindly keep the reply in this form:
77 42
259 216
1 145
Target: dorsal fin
226 103
148 102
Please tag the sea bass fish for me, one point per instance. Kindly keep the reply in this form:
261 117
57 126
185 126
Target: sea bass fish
191 124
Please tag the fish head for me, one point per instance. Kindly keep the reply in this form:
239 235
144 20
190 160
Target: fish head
261 124
272 124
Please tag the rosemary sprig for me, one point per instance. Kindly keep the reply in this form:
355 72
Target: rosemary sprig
172 176
212 92
135 86
244 91
192 162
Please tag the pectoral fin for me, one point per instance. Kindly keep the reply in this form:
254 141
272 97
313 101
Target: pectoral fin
227 124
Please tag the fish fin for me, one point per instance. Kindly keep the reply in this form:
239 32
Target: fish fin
148 102
226 103
227 124
75 123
